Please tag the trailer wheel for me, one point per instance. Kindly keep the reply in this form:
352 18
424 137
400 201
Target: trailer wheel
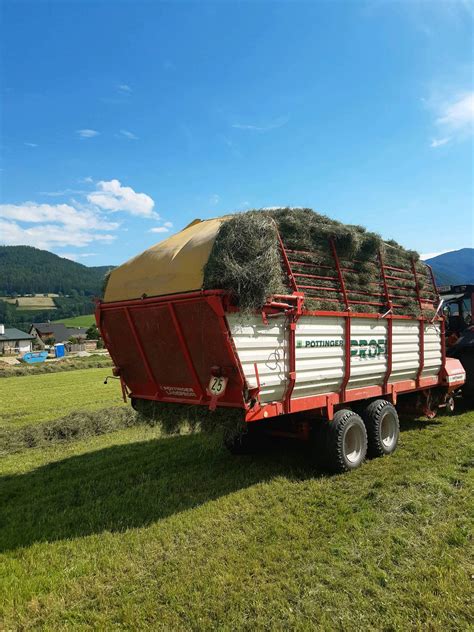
245 442
345 444
383 428
450 406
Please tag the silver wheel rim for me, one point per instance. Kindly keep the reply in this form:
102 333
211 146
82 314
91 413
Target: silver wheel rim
388 431
353 443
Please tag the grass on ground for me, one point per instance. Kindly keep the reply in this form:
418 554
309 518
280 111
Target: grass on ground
131 530
38 398
31 302
78 321
66 364
71 427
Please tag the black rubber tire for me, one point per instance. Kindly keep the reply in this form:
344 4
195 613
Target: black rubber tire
246 442
467 360
375 418
334 447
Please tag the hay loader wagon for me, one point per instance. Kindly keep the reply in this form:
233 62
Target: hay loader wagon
336 377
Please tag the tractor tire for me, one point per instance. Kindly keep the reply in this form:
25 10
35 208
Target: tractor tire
343 442
450 407
383 428
467 360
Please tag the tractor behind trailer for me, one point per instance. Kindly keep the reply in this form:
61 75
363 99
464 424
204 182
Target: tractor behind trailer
333 377
458 307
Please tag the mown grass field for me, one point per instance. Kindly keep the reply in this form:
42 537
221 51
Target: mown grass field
78 321
69 363
36 398
31 302
134 530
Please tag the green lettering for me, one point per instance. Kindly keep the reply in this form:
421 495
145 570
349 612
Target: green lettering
373 349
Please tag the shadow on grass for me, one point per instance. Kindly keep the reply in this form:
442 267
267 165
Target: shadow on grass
132 485
409 423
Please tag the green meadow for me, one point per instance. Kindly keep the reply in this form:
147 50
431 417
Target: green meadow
37 398
133 530
78 321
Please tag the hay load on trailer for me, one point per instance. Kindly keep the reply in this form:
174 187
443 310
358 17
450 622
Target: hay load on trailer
280 321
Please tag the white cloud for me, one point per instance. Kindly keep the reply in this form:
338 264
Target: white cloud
87 133
214 199
61 193
159 229
31 144
439 142
64 214
127 134
86 180
52 225
48 235
458 114
279 122
70 255
124 88
74 256
430 255
112 196
454 118
77 223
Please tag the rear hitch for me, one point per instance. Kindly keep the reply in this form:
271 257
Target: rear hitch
110 377
125 392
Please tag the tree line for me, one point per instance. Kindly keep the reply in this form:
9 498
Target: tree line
10 316
27 270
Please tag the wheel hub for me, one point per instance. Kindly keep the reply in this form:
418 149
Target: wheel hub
388 431
353 443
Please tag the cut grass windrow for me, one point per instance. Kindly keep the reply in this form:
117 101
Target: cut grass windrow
68 364
75 426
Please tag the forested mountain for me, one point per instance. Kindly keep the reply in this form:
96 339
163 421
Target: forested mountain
454 267
27 270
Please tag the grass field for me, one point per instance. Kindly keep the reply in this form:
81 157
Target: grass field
36 398
69 363
78 321
134 530
31 302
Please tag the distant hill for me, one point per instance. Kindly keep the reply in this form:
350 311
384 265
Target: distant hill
27 270
454 267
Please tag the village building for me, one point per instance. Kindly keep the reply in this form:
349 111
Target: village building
14 341
50 333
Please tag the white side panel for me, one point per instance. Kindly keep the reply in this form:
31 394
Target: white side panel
432 349
406 350
368 349
320 347
265 345
319 355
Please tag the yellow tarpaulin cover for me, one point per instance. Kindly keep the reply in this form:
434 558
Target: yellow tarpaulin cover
173 265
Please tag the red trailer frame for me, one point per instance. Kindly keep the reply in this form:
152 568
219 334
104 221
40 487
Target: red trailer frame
167 348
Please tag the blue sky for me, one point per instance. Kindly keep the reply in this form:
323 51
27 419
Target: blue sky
123 121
